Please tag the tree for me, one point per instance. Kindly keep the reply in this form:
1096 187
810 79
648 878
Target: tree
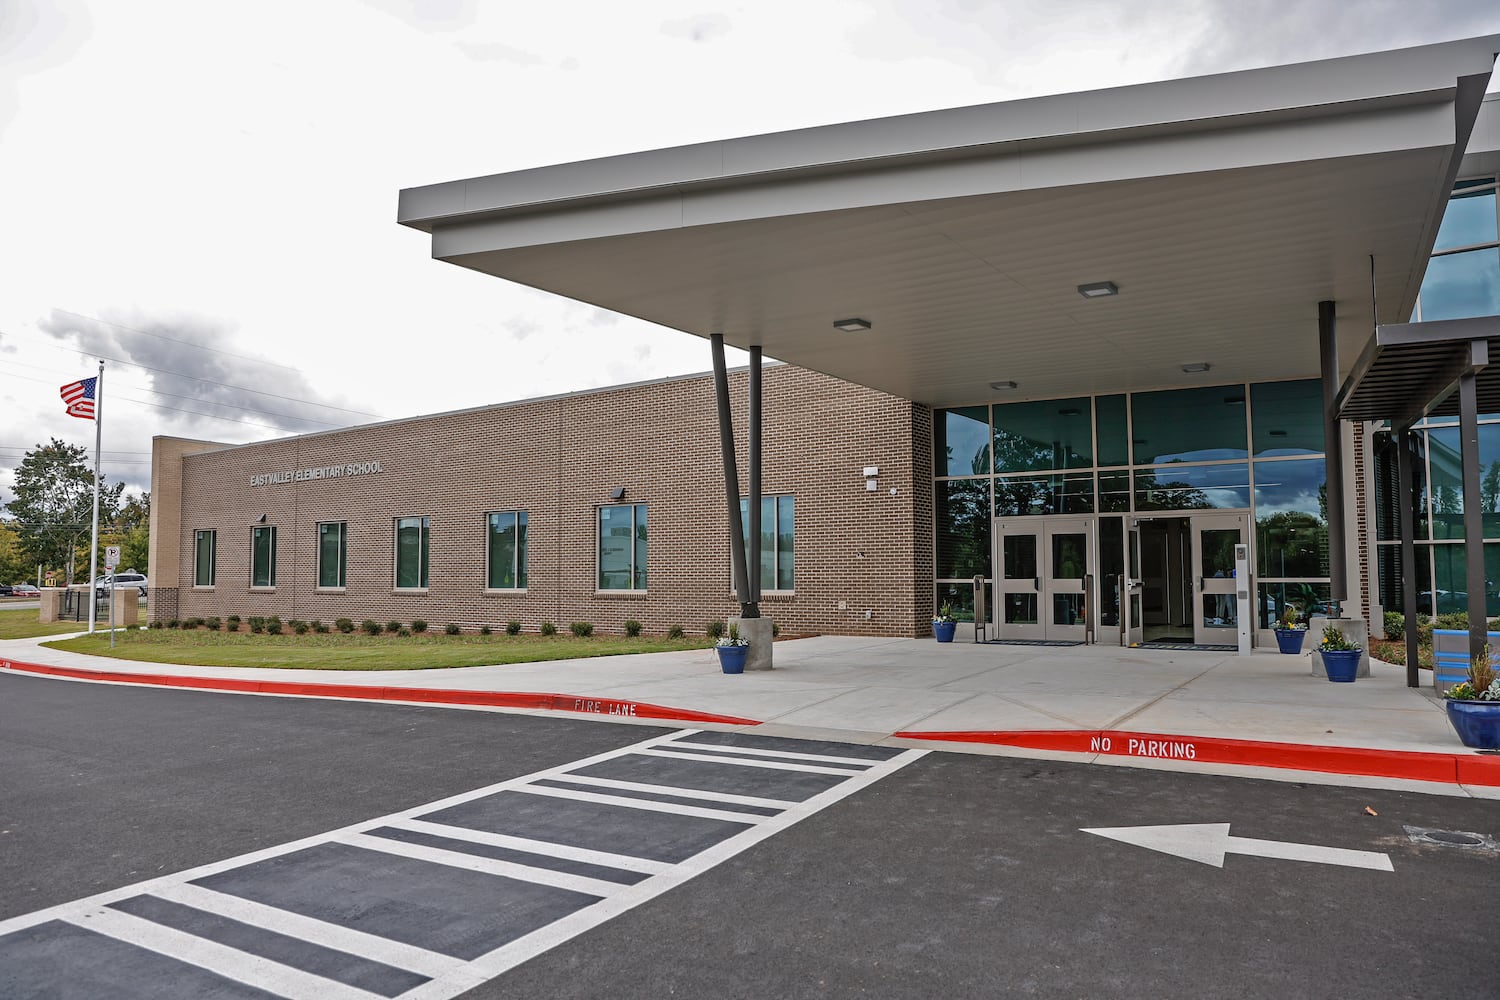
54 500
14 565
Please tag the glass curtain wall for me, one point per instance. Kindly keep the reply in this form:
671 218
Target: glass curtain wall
1256 447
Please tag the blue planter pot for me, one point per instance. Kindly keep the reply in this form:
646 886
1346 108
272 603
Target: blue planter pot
1341 665
943 631
1476 722
732 658
1289 640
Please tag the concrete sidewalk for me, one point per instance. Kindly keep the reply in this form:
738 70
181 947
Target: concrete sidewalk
1185 709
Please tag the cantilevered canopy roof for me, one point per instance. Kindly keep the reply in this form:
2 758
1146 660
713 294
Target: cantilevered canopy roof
1224 208
1411 370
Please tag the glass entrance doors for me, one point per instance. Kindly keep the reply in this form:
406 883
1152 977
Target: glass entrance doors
1046 567
1218 607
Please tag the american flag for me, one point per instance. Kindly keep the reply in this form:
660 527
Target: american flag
80 398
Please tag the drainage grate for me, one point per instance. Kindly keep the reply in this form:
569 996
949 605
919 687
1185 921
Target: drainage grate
1453 838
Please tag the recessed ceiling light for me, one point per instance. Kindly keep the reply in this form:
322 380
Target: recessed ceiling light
1194 367
1098 290
852 325
1002 385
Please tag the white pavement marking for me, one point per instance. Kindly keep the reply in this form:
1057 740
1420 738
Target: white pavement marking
603 858
262 973
487 866
814 758
319 932
1209 842
648 805
450 976
769 765
686 793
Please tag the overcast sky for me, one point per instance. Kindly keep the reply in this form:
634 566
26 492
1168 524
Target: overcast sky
208 189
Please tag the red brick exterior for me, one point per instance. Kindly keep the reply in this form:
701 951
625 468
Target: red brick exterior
558 459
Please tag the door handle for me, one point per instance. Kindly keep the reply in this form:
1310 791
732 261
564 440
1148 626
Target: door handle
1037 582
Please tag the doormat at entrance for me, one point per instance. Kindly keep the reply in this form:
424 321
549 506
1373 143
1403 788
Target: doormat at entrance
1205 646
1034 642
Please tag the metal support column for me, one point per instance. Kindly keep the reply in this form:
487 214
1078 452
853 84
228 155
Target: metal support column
1468 425
753 557
1328 352
1404 497
748 607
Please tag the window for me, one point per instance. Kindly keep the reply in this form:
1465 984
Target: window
204 551
777 540
263 557
622 547
507 550
411 553
333 553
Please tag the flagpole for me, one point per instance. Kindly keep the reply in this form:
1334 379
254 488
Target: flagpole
94 540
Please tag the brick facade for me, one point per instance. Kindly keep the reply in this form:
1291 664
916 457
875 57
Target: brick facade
863 561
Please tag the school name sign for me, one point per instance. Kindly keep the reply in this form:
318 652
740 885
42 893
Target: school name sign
316 472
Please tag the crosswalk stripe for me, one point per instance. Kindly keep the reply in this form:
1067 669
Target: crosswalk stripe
490 866
318 932
649 805
769 765
686 793
548 848
262 973
864 763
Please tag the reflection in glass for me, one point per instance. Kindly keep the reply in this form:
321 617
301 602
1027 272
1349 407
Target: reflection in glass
1308 598
1068 561
1390 578
963 527
1291 531
1071 493
1189 487
411 552
1219 611
1287 418
1111 569
1113 431
1461 285
1218 551
1447 480
1020 609
1043 435
960 598
1067 609
333 539
1451 588
507 550
1388 485
1469 219
1020 557
1114 491
1188 425
961 441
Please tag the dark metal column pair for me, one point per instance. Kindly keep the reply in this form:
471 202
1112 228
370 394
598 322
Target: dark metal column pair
746 588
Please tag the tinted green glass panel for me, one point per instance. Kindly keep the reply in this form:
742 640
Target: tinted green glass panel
1462 285
203 558
1309 598
263 557
1114 432
1469 220
332 556
786 542
961 441
1068 559
640 546
1387 485
963 527
504 548
1114 491
1188 425
1065 494
411 552
1043 435
521 530
1291 528
960 599
1020 555
1111 568
1193 487
773 535
1451 591
1390 578
1287 418
622 547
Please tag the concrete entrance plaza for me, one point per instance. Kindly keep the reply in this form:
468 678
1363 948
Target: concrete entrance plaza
1264 714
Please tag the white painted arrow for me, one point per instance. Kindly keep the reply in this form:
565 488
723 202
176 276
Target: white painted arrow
1209 842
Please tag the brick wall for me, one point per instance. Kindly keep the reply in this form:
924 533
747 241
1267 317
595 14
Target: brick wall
857 551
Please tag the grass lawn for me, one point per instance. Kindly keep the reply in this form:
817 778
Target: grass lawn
201 647
23 624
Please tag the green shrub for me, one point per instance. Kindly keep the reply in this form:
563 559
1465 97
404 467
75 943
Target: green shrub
1395 625
582 629
173 623
675 632
486 630
192 622
273 625
319 627
370 627
393 626
632 628
452 629
775 630
404 631
715 629
212 622
300 628
419 625
154 625
344 625
1452 620
257 624
548 628
512 628
233 621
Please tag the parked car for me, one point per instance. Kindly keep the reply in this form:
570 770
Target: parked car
6 590
136 580
25 590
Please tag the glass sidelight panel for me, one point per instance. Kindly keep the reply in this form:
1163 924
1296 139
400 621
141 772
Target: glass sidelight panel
1020 559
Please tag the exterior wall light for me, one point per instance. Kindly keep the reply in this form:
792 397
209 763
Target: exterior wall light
618 493
852 325
1002 385
1098 289
1195 367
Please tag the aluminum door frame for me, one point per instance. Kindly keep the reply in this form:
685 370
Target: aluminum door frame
1222 589
1041 527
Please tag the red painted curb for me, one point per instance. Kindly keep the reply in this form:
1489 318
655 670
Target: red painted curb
1451 768
434 696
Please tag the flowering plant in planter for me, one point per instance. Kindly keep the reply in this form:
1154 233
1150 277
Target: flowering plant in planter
1473 704
731 638
1334 641
1340 656
945 614
1482 684
1291 618
1290 630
